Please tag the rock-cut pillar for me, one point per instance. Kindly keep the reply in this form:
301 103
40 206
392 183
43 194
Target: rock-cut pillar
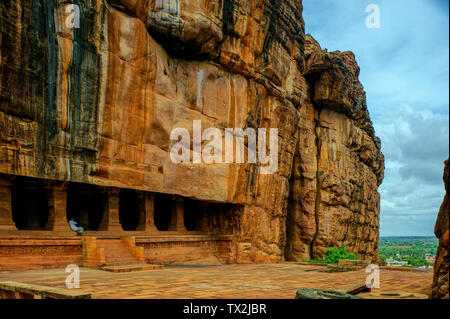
57 205
147 211
110 220
177 217
6 221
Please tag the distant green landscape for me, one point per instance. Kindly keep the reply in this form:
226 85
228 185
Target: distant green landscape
413 250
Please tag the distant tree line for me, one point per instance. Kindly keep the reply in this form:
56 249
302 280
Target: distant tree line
395 248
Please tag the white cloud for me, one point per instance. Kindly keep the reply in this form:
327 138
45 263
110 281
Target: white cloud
405 72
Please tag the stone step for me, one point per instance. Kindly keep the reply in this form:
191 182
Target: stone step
120 257
112 242
117 254
110 261
112 246
124 252
121 263
131 268
127 255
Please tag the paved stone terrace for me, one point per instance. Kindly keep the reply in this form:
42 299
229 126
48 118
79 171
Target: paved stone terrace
278 281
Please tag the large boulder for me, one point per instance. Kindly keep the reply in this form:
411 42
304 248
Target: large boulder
309 293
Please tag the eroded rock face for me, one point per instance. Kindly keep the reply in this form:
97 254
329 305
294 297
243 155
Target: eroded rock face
97 105
440 279
338 164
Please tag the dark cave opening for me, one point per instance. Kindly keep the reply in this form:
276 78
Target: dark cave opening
29 203
129 212
193 215
163 211
85 204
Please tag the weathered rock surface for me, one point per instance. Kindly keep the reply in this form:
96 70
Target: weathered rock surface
97 104
309 293
440 279
338 164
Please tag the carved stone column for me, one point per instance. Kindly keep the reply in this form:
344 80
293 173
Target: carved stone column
110 220
57 205
177 218
6 220
205 222
147 210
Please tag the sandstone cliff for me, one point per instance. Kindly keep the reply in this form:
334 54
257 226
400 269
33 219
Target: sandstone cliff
96 104
338 164
440 279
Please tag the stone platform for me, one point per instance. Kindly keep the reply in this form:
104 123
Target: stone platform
132 268
278 281
41 251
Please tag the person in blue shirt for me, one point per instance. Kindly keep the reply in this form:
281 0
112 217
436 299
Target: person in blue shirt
75 227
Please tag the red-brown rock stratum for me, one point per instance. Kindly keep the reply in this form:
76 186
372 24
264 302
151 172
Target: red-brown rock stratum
96 105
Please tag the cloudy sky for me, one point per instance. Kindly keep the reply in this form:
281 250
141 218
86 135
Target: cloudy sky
405 73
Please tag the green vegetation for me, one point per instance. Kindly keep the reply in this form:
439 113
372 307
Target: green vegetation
414 250
334 254
414 262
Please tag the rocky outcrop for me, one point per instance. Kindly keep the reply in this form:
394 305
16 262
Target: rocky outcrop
97 104
338 164
308 293
440 279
